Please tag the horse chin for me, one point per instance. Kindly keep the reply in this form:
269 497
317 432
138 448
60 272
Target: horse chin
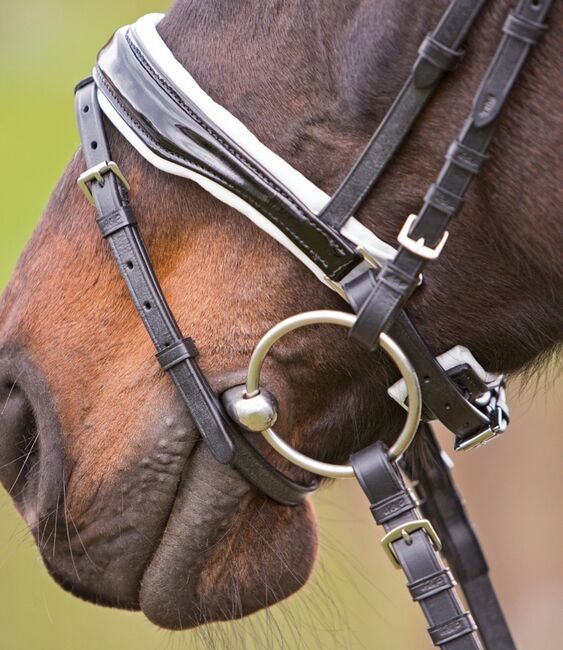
226 551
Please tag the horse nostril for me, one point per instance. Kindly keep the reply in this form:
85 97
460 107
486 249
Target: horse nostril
19 442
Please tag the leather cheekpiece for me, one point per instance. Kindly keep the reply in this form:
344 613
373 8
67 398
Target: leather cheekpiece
175 353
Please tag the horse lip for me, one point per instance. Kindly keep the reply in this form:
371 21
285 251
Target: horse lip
208 495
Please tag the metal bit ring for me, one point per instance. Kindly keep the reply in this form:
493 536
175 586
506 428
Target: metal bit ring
343 319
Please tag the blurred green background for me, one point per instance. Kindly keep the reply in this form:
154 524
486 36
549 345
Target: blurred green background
356 600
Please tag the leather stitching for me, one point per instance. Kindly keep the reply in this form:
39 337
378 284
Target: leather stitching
228 147
313 254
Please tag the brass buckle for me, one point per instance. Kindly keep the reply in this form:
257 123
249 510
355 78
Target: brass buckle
404 532
96 174
418 246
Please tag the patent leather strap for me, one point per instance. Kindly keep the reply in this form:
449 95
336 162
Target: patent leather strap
399 277
412 545
440 51
106 187
442 505
173 127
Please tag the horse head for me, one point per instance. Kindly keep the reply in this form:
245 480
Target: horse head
127 505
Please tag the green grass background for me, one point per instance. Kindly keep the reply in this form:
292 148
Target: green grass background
355 600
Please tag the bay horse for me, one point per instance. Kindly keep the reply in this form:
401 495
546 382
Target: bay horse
150 521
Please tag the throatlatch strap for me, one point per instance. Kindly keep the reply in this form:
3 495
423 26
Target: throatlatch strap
412 545
399 277
106 188
442 504
438 52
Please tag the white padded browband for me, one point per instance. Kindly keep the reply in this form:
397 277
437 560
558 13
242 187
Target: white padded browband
307 192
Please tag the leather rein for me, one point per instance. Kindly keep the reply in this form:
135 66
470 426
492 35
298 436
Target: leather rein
158 107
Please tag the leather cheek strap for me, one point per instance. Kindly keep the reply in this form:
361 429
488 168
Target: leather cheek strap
399 277
175 353
440 51
413 549
441 395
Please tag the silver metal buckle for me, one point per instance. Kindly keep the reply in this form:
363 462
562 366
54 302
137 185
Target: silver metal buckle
404 532
96 174
418 246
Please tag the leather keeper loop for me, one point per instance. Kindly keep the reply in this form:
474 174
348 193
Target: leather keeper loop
442 200
439 54
431 585
116 220
392 507
176 353
523 29
393 276
452 629
465 157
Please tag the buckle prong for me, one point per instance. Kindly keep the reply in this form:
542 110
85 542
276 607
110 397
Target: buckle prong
418 246
96 174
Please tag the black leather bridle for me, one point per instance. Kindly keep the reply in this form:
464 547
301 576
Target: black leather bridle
167 126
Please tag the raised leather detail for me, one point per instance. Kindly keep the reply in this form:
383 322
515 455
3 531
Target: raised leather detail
440 55
113 221
431 585
456 627
392 506
466 157
173 127
176 353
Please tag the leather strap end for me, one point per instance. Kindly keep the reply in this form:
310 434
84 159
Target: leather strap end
520 34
